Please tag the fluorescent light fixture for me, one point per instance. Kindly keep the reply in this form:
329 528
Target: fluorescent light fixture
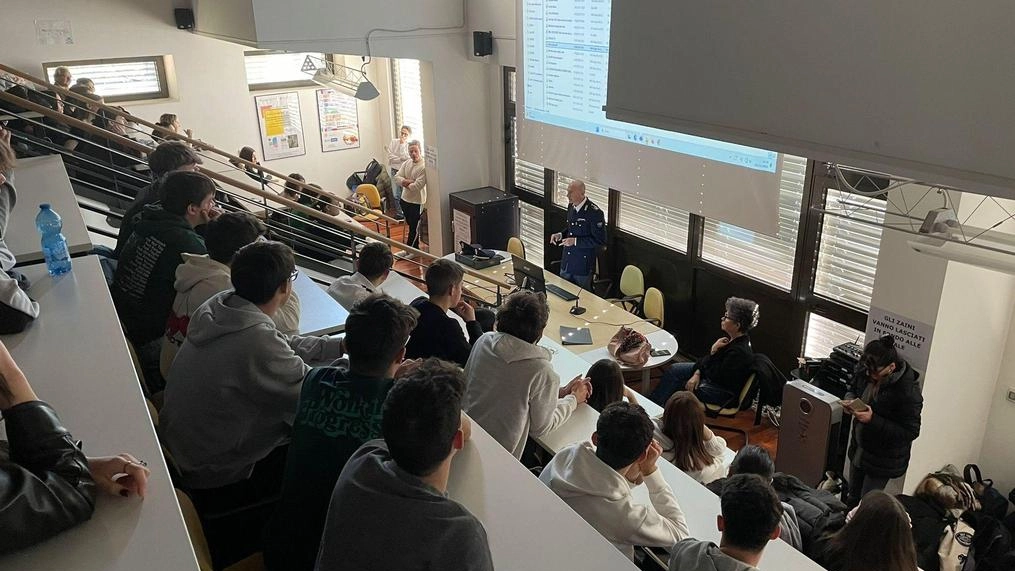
343 79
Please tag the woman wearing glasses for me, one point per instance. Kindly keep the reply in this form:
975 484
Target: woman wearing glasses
885 403
719 377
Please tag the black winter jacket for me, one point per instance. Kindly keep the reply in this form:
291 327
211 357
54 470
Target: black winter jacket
45 486
730 366
818 512
882 447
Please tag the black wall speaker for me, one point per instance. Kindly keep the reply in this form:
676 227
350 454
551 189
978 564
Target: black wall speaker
184 18
482 43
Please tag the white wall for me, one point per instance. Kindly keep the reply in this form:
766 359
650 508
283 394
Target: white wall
212 96
997 457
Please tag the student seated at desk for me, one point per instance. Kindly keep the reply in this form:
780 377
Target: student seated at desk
168 157
607 380
749 520
47 484
390 508
878 536
752 459
201 276
719 377
436 334
372 267
513 391
686 441
595 478
17 310
339 410
232 390
143 283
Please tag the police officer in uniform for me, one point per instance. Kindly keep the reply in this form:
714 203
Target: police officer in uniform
585 233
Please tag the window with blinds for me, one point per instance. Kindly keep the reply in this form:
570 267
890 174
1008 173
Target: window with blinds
528 176
408 96
119 79
532 232
275 70
823 334
755 255
599 195
848 249
652 221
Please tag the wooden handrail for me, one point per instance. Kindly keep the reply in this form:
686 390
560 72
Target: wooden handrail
257 191
194 142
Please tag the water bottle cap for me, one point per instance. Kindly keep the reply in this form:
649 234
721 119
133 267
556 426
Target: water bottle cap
44 206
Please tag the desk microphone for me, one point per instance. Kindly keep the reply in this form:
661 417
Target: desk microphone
577 309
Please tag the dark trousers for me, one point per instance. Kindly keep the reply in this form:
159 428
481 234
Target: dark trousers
861 483
582 281
675 379
411 212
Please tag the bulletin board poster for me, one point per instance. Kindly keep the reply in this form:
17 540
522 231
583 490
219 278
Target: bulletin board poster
339 120
281 126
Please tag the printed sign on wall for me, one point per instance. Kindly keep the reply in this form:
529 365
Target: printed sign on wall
281 125
912 338
339 120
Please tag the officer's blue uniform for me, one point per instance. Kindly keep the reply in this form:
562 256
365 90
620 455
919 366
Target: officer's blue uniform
588 227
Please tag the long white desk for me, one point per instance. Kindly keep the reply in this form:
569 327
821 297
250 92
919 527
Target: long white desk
699 504
528 526
39 180
76 358
320 314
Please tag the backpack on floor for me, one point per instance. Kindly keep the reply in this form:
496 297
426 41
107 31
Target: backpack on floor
992 502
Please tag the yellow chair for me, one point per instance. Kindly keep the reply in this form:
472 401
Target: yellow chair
371 197
632 288
715 411
653 306
200 544
516 247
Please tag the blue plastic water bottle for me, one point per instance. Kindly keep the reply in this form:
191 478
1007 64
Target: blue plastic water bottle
54 244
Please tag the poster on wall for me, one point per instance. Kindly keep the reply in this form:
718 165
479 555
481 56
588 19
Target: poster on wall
280 124
912 338
339 120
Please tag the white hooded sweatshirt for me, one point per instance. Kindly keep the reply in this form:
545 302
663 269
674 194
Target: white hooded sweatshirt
511 390
603 497
198 278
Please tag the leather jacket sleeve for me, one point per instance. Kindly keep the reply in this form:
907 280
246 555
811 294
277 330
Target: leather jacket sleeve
45 485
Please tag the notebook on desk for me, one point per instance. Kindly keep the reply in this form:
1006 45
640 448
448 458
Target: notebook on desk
575 335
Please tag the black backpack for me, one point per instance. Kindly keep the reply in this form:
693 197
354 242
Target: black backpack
991 542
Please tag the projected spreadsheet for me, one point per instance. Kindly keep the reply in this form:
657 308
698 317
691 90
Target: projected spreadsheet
566 62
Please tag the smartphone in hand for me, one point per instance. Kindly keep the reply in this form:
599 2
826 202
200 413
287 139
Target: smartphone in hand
854 405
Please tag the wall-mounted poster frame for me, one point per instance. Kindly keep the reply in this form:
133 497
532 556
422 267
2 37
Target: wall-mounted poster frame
339 120
281 125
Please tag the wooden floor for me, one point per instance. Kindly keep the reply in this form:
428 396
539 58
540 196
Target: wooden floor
764 435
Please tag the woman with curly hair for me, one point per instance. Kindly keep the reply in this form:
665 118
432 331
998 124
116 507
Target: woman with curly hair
719 377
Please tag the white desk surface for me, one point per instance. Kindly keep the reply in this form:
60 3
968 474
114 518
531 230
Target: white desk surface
699 504
76 358
320 314
38 180
660 339
528 526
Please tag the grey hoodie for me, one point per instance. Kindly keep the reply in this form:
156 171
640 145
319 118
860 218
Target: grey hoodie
694 555
232 390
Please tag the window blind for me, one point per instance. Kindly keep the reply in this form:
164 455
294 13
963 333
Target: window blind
408 96
600 195
654 222
848 249
128 79
758 256
823 334
532 232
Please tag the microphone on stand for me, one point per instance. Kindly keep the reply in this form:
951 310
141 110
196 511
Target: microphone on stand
577 309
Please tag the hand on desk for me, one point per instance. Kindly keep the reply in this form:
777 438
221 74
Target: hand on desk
122 475
580 387
555 238
14 387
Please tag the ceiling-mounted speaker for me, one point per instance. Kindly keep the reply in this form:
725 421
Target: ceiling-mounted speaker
184 18
482 43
